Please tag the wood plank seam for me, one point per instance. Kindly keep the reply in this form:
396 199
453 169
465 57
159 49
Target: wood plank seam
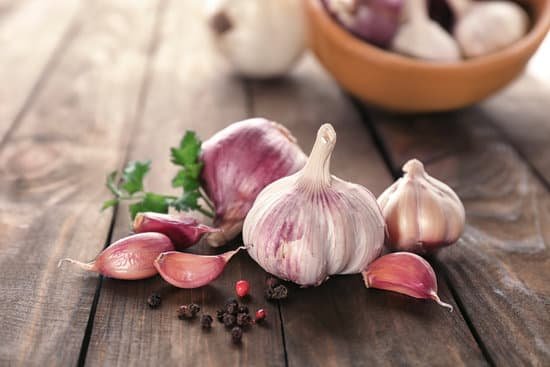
395 171
155 38
66 40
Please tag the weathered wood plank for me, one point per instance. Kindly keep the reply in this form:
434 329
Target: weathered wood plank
341 323
191 88
499 268
52 169
30 34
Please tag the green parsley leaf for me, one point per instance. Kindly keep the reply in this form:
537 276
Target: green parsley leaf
109 203
132 176
188 151
151 202
189 201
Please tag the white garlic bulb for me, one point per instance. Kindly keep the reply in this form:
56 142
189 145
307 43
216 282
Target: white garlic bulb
422 213
310 225
260 38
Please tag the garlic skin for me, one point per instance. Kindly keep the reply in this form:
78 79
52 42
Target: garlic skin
239 161
422 213
182 231
486 27
185 270
261 38
311 225
406 273
129 258
422 37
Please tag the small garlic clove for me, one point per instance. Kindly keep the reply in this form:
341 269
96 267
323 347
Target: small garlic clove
184 270
406 273
422 213
129 258
182 231
239 161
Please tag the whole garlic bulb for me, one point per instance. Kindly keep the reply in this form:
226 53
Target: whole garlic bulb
311 225
261 38
422 214
239 161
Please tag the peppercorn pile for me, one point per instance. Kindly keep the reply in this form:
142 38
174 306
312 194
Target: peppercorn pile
233 315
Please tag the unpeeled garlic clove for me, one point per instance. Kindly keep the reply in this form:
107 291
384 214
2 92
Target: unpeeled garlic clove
184 270
182 231
129 258
484 27
239 161
406 273
310 225
422 213
422 37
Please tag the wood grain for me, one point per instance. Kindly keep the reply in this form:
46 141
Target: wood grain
499 268
191 88
52 170
341 323
22 24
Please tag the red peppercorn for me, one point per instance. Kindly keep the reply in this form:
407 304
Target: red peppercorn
260 314
242 287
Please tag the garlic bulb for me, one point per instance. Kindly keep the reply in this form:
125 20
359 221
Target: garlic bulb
422 214
488 26
239 161
261 38
422 37
310 225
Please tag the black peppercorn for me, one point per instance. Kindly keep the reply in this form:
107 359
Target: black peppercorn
242 309
229 320
206 321
244 319
185 312
231 301
219 315
279 292
154 300
232 308
195 309
236 334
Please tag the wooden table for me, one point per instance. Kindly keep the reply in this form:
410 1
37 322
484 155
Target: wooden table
88 85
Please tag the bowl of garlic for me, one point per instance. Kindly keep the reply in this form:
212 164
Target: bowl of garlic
425 55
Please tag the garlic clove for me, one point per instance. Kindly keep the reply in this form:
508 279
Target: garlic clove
406 273
310 225
184 270
261 39
486 27
182 231
129 258
423 38
422 213
239 161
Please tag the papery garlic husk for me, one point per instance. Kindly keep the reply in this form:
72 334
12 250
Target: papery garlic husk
422 213
129 258
260 38
182 231
311 225
185 270
406 273
239 161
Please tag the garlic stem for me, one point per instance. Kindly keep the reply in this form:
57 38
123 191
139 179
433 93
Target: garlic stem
436 298
316 172
416 10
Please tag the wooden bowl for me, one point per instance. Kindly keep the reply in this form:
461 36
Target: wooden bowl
404 84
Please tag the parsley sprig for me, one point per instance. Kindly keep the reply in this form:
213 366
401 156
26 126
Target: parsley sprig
128 186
